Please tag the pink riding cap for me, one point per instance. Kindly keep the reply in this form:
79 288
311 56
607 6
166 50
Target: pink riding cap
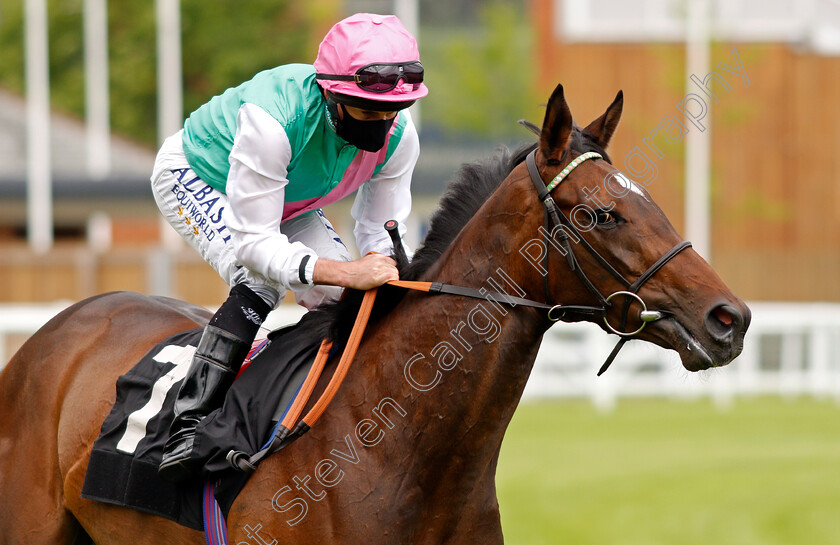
363 39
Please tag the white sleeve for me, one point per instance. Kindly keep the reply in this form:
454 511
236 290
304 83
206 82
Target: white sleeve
256 188
387 196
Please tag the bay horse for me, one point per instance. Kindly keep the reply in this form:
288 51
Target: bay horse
407 451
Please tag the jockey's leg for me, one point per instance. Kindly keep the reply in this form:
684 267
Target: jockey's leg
194 209
222 349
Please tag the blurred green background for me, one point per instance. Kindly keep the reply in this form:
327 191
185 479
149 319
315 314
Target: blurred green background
664 472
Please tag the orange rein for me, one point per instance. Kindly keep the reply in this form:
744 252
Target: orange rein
317 368
291 428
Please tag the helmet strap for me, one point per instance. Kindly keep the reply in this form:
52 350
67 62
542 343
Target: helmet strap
333 116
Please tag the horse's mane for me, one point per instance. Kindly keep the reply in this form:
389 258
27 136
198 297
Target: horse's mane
467 192
471 186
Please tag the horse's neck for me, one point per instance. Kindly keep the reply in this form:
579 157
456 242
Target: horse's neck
433 387
460 363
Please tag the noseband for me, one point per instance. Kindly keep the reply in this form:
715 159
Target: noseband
557 222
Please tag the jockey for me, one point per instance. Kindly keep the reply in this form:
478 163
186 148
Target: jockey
245 179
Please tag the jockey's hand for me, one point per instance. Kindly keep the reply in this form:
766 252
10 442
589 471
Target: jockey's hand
369 272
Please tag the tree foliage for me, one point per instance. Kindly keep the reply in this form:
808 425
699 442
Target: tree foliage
480 75
224 42
481 79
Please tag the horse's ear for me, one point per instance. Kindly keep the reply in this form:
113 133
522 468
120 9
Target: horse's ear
557 127
602 129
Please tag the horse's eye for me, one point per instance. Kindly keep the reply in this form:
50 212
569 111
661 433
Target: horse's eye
604 217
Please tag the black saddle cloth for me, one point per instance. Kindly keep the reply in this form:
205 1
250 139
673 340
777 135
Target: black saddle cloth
125 457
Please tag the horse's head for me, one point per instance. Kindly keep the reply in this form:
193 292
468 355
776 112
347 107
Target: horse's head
609 236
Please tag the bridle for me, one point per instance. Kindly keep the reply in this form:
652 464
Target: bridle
557 222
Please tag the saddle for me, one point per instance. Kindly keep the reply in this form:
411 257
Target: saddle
125 457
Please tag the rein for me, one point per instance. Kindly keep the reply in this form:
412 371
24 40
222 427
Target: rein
290 428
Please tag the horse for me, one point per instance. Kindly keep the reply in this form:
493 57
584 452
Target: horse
407 451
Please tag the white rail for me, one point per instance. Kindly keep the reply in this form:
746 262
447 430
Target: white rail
18 320
791 349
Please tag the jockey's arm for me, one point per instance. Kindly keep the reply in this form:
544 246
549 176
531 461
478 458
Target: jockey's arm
387 196
256 193
363 274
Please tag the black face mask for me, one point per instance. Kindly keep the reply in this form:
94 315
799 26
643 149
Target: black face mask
365 135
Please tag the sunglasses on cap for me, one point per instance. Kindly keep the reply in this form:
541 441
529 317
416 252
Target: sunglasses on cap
383 76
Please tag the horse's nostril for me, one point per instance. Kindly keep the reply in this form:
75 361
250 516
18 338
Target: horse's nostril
722 321
722 316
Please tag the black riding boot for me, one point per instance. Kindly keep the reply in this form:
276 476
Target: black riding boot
222 349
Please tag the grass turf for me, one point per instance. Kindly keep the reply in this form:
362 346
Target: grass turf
664 472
